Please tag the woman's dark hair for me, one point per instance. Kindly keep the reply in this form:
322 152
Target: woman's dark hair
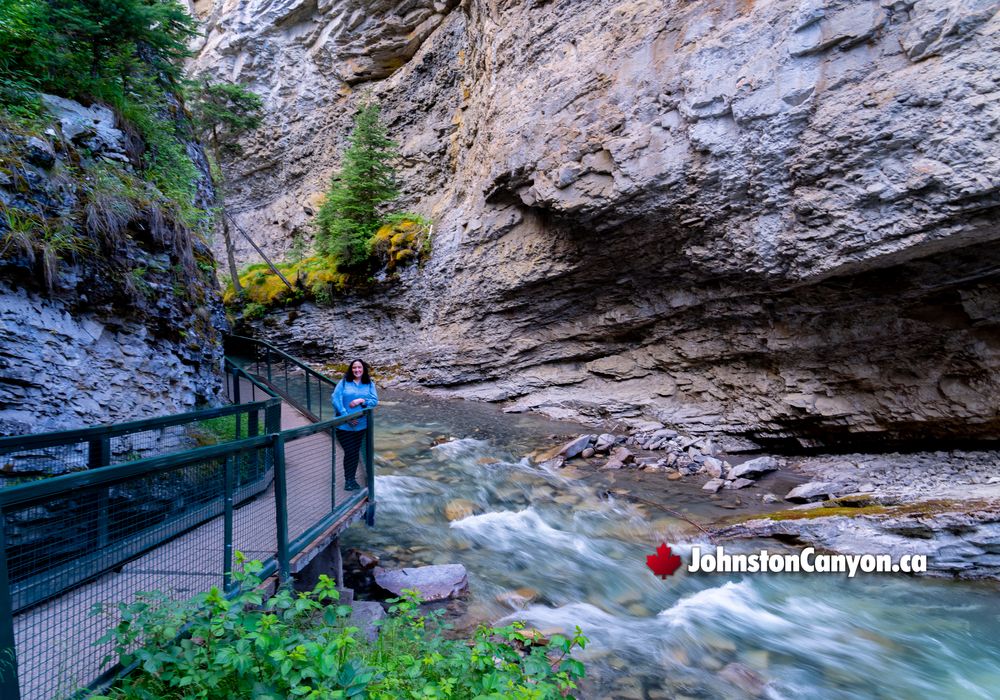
365 376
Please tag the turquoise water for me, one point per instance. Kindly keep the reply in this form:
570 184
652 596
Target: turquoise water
557 551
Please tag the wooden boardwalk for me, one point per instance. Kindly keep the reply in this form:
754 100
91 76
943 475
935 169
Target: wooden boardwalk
56 640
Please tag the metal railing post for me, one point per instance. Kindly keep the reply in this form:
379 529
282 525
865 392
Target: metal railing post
370 467
253 430
281 508
322 399
98 452
227 565
333 469
308 394
236 386
99 455
9 686
267 362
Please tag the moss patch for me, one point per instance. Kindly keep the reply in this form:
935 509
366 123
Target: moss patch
401 242
917 509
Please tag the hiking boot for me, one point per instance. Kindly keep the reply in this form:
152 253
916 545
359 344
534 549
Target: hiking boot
351 485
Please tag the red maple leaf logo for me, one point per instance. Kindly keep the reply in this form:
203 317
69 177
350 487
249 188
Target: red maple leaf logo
663 563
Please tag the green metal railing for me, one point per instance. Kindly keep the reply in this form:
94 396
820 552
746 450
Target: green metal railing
293 380
92 538
28 457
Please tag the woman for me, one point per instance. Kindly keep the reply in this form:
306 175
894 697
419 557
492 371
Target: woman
354 393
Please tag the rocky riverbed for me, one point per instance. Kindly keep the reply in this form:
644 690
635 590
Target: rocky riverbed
564 546
945 505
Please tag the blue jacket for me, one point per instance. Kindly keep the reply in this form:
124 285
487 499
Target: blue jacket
347 391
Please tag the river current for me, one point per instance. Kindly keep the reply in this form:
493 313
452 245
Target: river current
566 548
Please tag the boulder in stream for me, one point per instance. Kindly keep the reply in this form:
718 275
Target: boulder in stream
812 492
754 468
574 447
744 678
605 441
433 582
459 508
620 456
713 485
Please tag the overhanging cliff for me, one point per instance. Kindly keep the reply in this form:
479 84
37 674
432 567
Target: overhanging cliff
775 219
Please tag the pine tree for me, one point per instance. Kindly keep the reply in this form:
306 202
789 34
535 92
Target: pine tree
352 211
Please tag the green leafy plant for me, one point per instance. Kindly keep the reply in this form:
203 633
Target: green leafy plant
219 647
254 310
301 645
213 431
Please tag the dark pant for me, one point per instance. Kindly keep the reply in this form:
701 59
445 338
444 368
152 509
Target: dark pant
351 441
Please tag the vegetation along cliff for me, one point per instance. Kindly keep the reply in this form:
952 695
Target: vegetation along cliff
109 307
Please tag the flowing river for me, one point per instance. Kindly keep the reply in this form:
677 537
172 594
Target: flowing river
569 548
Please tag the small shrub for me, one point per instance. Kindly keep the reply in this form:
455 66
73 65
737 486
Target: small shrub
301 645
254 310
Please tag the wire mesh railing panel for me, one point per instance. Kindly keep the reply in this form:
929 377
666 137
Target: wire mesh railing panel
254 518
141 444
314 484
74 557
34 457
22 464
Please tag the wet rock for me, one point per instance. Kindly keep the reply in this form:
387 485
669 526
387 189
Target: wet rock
714 485
811 492
588 453
518 599
620 456
460 508
712 467
367 560
754 468
744 678
740 483
364 615
674 476
40 153
605 441
770 498
437 582
574 447
554 463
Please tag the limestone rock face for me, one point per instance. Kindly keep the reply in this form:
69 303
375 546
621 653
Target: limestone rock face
61 368
775 220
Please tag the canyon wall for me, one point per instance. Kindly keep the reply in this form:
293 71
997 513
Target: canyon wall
776 220
109 307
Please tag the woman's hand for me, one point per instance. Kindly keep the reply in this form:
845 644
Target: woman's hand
356 402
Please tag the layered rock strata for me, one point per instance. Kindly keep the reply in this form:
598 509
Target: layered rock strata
127 322
776 220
